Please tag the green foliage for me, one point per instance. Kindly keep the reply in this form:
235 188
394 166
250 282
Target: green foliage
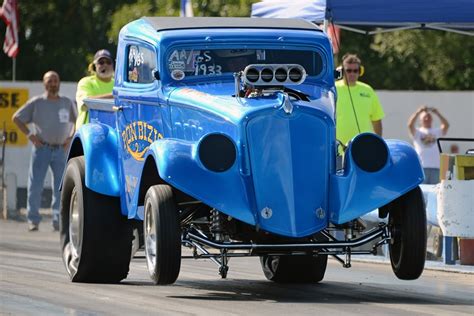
413 60
434 59
223 7
59 35
129 12
63 36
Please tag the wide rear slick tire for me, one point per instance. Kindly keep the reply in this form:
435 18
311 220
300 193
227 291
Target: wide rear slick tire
407 221
95 238
294 269
162 235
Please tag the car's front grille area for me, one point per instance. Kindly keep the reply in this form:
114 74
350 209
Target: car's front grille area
289 158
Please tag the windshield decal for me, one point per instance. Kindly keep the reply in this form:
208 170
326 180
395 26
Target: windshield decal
177 74
185 63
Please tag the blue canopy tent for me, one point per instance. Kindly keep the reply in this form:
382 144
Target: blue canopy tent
376 16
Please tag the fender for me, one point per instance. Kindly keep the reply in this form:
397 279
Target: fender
99 146
178 164
357 191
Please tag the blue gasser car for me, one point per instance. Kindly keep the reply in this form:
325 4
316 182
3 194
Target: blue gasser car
221 138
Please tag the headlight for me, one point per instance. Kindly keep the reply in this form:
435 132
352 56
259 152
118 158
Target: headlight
217 152
369 152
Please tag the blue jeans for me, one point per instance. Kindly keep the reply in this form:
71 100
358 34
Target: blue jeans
431 175
42 158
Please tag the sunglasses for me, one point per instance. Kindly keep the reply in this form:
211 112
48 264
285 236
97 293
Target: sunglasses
104 61
349 71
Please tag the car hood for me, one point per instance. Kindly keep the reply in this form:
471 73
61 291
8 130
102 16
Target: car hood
218 98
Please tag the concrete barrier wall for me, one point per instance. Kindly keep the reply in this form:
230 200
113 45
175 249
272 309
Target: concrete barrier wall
457 107
456 207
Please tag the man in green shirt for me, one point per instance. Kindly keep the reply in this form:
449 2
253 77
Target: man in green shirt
99 85
358 108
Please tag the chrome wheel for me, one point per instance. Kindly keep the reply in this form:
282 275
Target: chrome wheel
162 235
71 253
150 238
74 222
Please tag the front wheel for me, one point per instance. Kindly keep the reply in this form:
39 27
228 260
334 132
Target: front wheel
162 235
294 269
407 221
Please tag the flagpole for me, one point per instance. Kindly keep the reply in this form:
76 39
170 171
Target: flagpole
182 8
13 69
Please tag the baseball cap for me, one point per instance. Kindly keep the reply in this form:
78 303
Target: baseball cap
103 53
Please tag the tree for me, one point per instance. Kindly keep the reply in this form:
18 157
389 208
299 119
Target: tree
63 36
129 12
234 8
413 60
59 35
434 59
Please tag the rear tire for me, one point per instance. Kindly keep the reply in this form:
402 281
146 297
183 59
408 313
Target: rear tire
95 237
294 269
162 235
407 221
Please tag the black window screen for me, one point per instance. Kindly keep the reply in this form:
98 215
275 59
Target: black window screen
211 62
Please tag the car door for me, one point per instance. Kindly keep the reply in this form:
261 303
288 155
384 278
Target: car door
139 119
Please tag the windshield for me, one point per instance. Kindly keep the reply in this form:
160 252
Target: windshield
183 63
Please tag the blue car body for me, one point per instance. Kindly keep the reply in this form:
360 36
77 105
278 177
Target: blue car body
284 178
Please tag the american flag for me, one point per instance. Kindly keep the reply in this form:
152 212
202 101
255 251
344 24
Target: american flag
9 14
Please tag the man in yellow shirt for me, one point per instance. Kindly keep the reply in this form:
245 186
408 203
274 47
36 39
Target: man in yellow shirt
358 108
99 85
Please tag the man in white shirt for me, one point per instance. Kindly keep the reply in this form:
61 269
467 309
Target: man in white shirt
424 138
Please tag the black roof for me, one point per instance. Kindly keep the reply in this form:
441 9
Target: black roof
175 23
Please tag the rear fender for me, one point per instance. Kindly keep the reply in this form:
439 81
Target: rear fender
357 192
99 146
